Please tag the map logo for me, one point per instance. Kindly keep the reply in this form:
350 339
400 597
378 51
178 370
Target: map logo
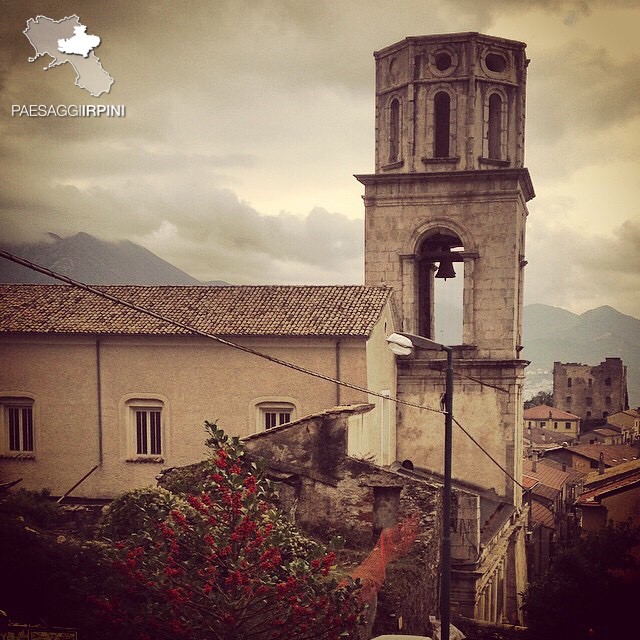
67 40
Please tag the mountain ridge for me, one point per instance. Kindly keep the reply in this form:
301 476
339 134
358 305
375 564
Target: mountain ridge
93 261
552 334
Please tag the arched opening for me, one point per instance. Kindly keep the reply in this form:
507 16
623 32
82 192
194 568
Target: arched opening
494 133
442 126
394 130
440 288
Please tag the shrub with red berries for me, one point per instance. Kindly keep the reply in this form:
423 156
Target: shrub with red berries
222 563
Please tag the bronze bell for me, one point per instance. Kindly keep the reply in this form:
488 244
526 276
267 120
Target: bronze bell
445 269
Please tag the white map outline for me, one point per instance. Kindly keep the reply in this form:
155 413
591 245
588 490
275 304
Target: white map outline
93 78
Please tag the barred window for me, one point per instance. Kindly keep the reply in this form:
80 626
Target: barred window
18 423
148 432
145 429
274 412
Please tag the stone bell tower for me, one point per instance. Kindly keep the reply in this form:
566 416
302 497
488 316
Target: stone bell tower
448 200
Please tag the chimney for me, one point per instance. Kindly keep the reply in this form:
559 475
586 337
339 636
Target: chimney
534 462
564 466
601 463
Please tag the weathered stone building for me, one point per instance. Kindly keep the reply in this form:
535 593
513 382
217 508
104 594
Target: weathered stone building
591 392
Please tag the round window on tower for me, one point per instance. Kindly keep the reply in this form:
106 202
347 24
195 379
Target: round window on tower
442 62
494 63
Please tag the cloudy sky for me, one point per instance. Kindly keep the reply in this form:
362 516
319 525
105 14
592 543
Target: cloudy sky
246 120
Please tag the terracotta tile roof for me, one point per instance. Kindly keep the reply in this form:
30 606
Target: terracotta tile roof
541 436
594 496
605 432
542 515
548 475
226 311
613 453
573 475
612 473
545 412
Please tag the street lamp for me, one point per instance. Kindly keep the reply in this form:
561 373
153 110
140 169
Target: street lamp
404 344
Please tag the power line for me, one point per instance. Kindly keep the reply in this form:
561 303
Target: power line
234 345
486 453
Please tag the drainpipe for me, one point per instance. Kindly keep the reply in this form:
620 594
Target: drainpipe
99 399
338 398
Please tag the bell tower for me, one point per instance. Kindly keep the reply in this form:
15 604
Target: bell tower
448 201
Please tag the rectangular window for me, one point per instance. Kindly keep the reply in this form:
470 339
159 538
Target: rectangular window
148 432
543 424
568 399
589 402
19 420
569 382
276 418
17 432
567 425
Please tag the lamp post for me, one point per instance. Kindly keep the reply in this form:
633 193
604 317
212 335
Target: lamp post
404 344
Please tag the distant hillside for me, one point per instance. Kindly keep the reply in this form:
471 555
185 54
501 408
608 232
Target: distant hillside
552 334
88 259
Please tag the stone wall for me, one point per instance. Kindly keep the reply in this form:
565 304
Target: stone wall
328 493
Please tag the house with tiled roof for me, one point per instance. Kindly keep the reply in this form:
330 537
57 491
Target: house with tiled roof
538 440
588 457
626 423
602 435
552 420
551 490
611 495
96 391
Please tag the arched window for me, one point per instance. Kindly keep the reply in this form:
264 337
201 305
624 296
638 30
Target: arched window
274 411
394 130
494 133
441 125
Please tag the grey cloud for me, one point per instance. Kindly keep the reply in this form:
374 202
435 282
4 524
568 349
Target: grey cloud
232 241
577 271
579 88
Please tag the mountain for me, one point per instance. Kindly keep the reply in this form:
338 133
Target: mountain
93 261
552 334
